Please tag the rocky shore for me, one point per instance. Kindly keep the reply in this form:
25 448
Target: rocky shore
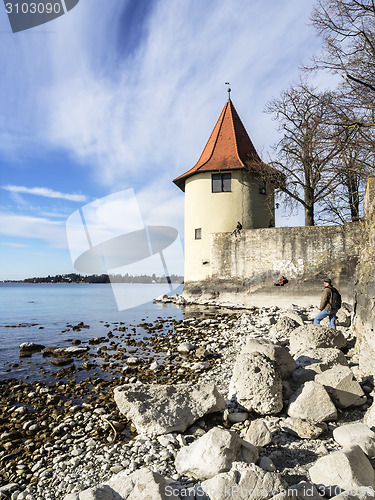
255 402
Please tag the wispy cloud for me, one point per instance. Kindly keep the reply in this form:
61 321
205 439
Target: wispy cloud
133 116
48 193
159 106
24 226
13 245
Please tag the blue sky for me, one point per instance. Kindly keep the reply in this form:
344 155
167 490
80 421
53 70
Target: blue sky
123 94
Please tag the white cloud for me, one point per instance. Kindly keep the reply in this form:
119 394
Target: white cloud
15 245
151 113
48 193
24 226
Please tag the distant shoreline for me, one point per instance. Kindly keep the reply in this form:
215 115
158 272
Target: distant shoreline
29 281
102 278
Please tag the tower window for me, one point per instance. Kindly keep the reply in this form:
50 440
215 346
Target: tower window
198 234
262 187
221 183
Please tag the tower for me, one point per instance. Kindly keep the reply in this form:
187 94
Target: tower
229 183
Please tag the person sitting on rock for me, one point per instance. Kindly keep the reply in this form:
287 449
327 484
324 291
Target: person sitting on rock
282 281
237 230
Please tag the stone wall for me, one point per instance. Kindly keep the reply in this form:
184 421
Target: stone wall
296 252
364 322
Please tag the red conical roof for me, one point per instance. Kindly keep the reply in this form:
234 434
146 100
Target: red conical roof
228 148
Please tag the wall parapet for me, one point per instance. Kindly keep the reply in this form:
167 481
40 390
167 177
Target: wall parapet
296 252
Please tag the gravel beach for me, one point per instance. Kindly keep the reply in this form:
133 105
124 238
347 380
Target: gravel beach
65 436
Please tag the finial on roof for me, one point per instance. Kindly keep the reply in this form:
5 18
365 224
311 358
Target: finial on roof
229 90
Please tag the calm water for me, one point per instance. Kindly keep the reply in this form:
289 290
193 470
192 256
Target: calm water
39 312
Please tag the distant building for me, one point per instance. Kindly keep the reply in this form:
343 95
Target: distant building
229 183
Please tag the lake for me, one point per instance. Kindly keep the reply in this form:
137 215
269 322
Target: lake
40 312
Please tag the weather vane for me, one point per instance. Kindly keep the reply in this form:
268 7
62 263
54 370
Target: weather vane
229 90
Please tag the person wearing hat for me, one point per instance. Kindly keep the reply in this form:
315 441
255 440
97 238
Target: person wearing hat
325 305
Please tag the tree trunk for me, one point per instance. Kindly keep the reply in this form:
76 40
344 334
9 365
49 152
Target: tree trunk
352 185
309 206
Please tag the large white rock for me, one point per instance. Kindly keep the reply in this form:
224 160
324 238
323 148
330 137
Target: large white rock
314 361
284 326
213 453
244 482
356 434
347 469
304 429
277 353
362 493
314 336
185 348
256 383
369 417
312 402
341 386
325 357
160 409
343 319
72 351
141 484
100 492
258 433
304 491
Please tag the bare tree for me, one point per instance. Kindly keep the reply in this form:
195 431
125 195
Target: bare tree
353 162
307 153
348 31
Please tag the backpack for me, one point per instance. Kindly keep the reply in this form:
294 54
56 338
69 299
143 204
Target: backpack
335 299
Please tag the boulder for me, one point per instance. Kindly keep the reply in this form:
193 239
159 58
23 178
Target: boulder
369 417
100 492
347 469
343 318
244 481
160 409
256 383
362 493
341 386
237 416
31 347
298 317
201 365
141 484
213 453
258 433
62 361
325 357
356 434
304 429
186 348
314 361
266 464
304 491
314 336
284 326
277 353
73 351
312 402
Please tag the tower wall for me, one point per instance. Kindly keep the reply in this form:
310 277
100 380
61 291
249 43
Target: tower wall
219 212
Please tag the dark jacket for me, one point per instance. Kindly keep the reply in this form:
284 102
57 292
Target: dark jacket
325 301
